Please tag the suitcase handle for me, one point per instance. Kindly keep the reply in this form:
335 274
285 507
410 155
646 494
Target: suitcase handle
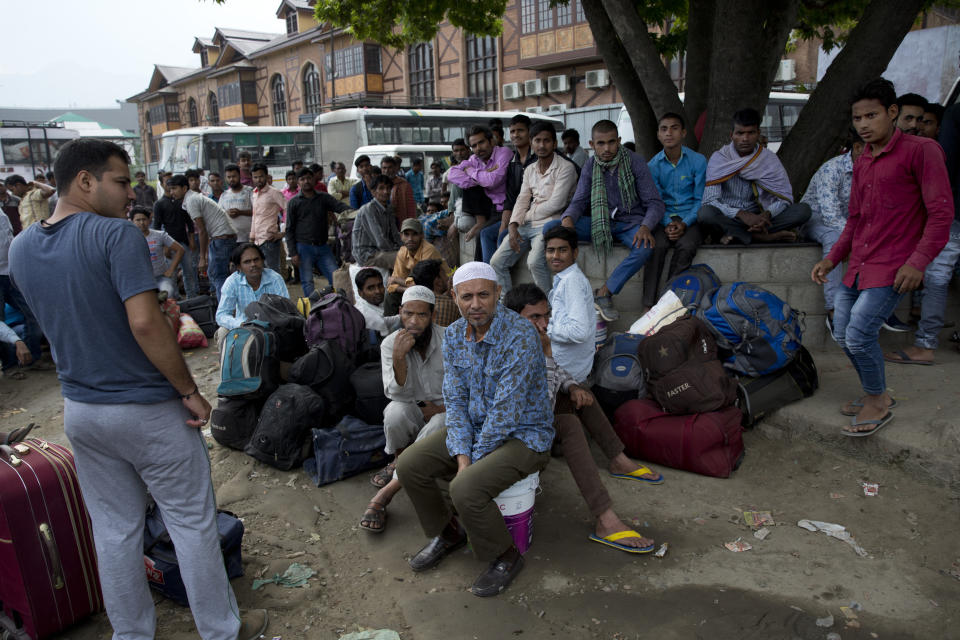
46 535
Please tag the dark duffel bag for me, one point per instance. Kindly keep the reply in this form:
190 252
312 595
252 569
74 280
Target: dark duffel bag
367 383
203 309
234 420
160 558
326 369
285 321
352 447
282 436
710 444
759 396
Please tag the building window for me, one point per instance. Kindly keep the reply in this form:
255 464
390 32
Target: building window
579 11
192 111
371 58
291 22
347 62
421 72
173 112
564 14
311 89
482 70
204 59
279 101
528 15
213 109
545 12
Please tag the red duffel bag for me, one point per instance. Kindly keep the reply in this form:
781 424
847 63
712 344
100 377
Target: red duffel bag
710 444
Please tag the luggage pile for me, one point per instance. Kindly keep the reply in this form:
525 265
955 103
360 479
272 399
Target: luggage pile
681 396
297 385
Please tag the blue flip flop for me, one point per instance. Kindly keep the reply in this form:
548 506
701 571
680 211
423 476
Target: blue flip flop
859 405
611 541
880 424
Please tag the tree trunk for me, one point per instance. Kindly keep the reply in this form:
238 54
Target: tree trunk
624 77
643 54
749 37
825 119
697 77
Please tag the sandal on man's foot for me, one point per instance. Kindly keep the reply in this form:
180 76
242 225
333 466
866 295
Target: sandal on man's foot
374 518
611 541
857 405
879 424
381 478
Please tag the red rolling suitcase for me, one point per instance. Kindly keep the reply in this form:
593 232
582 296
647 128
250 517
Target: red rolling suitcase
710 444
48 566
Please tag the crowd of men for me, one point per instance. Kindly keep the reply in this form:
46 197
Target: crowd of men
483 377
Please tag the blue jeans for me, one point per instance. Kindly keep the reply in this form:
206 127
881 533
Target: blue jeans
315 254
933 303
32 335
827 237
857 318
218 261
505 257
622 232
490 238
271 253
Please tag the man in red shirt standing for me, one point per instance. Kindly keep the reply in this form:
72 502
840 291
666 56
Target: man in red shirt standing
901 209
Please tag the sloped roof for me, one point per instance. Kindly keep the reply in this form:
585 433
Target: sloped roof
124 117
303 5
201 43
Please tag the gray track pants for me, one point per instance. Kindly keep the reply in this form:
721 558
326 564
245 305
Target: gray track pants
122 451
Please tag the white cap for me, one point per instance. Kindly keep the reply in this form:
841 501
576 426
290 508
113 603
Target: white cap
474 271
418 293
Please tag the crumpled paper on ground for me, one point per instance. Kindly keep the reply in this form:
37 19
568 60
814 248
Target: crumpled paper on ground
372 634
837 531
296 575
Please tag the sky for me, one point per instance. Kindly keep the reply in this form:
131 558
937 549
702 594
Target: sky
91 53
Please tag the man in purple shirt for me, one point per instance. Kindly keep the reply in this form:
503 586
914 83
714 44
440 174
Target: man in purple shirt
626 205
483 178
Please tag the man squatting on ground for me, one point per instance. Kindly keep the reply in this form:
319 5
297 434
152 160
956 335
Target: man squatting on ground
411 361
132 411
499 428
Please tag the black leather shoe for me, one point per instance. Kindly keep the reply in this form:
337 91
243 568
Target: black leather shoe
435 550
499 574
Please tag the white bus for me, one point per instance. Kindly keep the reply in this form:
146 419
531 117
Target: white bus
781 114
339 133
213 148
29 148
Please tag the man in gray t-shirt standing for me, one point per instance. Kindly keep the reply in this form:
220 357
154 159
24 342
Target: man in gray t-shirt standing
132 411
217 236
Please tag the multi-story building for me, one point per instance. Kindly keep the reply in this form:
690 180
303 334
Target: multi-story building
545 56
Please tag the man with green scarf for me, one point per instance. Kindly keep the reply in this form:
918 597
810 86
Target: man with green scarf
616 198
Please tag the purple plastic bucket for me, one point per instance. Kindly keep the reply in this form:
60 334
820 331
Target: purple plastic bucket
516 505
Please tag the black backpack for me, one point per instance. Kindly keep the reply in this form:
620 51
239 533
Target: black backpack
367 383
203 309
282 436
285 321
326 369
233 421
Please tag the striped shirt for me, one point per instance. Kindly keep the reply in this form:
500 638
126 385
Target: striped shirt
237 294
736 194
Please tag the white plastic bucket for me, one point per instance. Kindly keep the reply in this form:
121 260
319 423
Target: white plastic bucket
516 505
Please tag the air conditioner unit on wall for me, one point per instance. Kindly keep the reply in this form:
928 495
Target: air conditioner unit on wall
597 79
533 87
534 109
557 108
512 91
558 84
787 71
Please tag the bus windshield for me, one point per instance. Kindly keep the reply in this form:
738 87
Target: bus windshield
213 148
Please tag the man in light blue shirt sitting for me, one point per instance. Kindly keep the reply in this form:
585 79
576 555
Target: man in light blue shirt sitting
245 285
680 175
573 324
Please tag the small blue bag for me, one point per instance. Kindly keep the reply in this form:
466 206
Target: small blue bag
693 284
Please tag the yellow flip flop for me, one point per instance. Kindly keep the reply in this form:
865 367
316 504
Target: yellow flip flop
637 474
611 541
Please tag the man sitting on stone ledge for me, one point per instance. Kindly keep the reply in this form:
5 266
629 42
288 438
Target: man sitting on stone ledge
615 198
499 428
748 197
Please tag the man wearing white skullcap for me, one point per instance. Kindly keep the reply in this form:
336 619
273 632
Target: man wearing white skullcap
499 428
411 361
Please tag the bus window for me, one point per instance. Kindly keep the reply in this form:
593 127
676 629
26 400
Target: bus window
250 143
39 150
770 124
16 151
791 112
305 150
54 145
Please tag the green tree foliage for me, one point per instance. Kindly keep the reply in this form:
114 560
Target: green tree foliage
397 23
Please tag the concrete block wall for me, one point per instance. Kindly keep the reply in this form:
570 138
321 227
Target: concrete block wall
782 269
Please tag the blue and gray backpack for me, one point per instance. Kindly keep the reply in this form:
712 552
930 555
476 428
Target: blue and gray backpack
691 285
249 366
762 331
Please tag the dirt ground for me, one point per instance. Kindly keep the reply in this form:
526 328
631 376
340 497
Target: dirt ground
572 588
